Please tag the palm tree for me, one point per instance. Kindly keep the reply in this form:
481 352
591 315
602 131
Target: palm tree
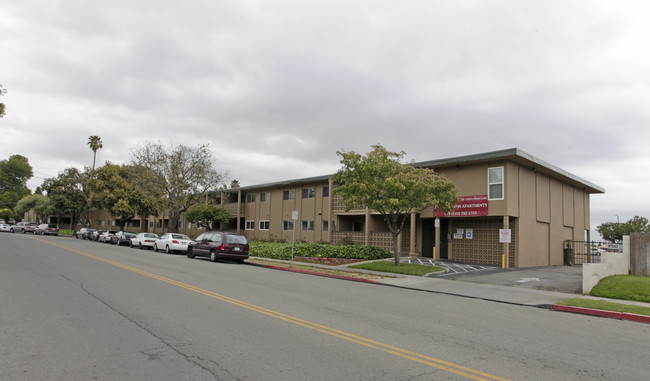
95 143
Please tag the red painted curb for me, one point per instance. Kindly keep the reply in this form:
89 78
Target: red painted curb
601 313
322 274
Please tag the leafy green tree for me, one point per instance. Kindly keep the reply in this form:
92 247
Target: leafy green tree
186 173
6 214
2 105
14 173
41 205
125 191
614 231
382 183
95 143
67 194
208 215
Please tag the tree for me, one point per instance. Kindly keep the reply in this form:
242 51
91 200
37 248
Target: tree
67 193
186 174
382 183
614 231
2 105
95 143
41 205
14 173
6 214
125 191
208 215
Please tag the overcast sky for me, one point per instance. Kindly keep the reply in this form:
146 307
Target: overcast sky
277 87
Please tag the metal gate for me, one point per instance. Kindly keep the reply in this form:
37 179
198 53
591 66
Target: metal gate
579 252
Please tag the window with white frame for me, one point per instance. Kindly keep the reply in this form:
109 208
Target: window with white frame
308 192
326 191
265 196
307 225
495 183
326 226
250 197
289 194
264 224
250 225
287 225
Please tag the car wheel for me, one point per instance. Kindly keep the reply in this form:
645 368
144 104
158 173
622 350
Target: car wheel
140 246
42 233
23 231
155 247
213 255
167 250
189 253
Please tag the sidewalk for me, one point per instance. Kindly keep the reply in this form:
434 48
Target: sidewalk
474 289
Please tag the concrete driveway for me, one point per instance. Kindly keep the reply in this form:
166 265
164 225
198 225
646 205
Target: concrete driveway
566 279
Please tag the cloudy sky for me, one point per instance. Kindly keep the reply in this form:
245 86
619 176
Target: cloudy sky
277 87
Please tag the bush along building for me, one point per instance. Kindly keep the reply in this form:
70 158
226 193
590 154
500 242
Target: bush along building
515 210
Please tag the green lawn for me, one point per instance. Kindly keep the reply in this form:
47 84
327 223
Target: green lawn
623 287
405 268
606 306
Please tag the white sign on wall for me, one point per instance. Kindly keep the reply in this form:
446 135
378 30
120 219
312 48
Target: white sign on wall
505 235
294 215
469 234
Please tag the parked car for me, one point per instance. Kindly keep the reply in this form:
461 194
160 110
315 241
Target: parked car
5 227
94 236
172 242
84 233
219 245
144 239
122 238
47 229
24 227
106 236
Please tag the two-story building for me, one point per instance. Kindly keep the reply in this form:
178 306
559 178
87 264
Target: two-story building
514 208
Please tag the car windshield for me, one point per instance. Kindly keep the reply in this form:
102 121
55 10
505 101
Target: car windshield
180 236
151 235
236 239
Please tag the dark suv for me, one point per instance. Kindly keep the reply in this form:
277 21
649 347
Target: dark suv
219 245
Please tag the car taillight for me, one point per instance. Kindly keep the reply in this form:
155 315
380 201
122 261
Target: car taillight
175 241
223 247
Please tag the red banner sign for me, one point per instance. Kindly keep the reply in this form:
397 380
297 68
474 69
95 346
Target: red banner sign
469 206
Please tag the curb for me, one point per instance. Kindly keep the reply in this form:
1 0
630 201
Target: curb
602 313
342 277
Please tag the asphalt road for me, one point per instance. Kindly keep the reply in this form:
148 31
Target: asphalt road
79 310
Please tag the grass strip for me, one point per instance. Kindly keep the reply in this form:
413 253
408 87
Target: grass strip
405 268
606 306
625 287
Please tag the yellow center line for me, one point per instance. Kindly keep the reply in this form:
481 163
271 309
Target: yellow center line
403 353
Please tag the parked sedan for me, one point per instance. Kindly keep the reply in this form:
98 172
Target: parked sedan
144 240
5 227
94 236
122 238
171 242
219 245
24 227
84 233
106 236
47 229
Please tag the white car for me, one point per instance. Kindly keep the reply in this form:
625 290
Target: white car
143 240
5 227
171 242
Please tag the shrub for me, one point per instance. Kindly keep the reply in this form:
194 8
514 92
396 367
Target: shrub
276 250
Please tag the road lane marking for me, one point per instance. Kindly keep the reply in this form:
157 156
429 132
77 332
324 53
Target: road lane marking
386 348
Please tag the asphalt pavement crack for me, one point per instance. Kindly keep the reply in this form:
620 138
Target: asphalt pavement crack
189 358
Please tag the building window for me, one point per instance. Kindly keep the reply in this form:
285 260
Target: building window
101 223
264 225
495 183
250 197
265 196
326 191
308 225
325 226
287 225
250 225
308 193
289 194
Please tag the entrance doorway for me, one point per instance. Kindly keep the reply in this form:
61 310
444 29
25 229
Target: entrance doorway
429 238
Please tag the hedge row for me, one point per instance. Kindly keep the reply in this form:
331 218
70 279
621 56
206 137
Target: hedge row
280 250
